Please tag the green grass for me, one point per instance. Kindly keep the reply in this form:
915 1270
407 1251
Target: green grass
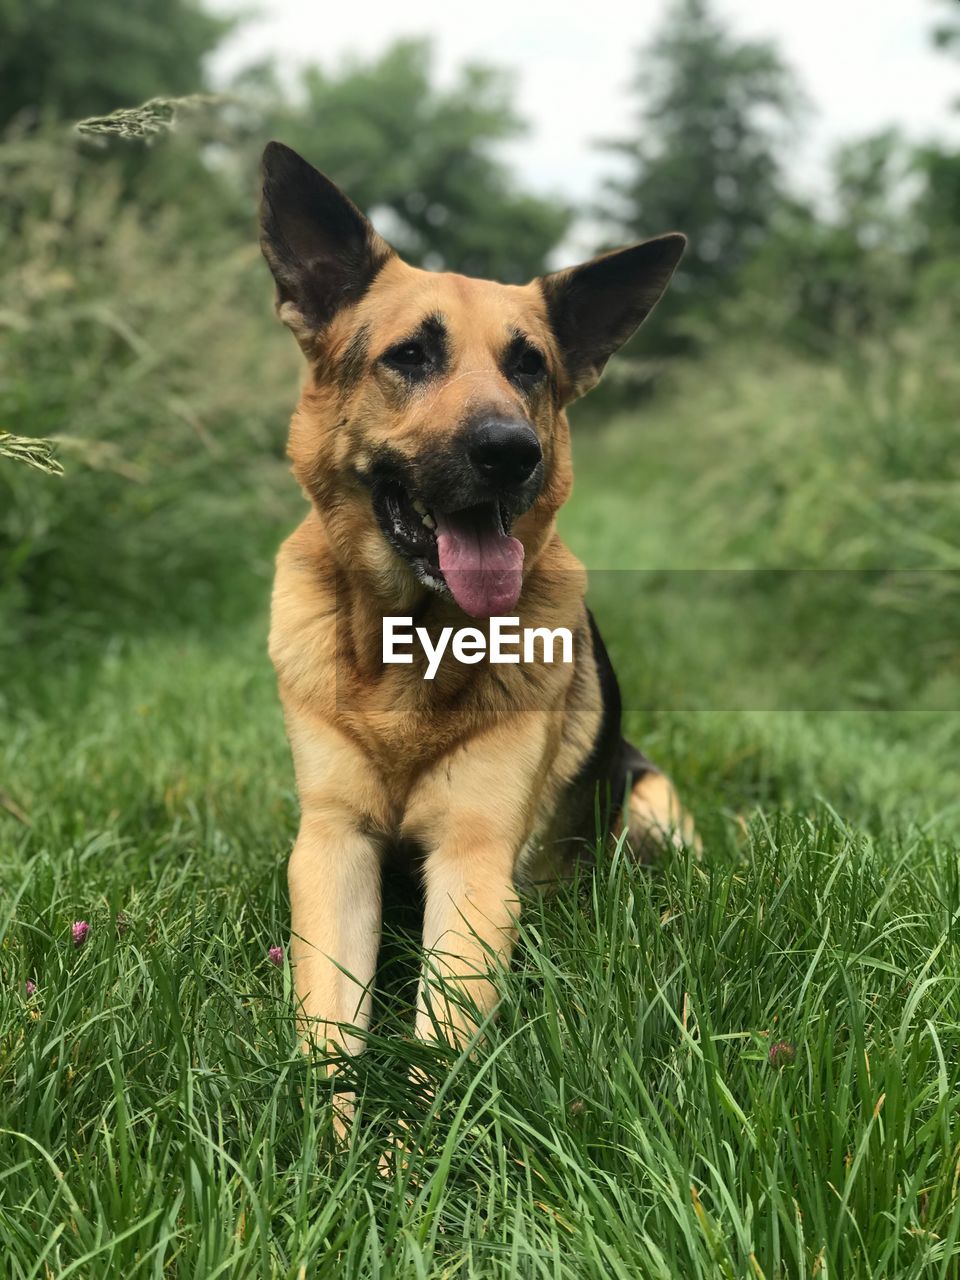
620 1117
158 1122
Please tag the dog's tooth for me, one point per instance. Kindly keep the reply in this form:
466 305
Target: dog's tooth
419 508
429 522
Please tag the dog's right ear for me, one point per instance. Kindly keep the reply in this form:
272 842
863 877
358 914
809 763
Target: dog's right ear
324 254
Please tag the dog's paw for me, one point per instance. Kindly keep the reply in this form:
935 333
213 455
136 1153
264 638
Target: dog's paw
344 1109
656 819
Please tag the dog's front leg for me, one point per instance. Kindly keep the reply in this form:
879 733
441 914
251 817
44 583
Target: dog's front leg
469 927
335 895
334 880
473 814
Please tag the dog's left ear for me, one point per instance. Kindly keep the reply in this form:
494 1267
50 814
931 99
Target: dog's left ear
596 307
323 252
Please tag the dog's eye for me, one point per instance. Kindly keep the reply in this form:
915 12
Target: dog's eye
529 364
408 357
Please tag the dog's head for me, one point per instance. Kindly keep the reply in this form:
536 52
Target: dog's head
431 434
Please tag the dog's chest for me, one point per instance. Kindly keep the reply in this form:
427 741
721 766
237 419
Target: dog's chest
410 722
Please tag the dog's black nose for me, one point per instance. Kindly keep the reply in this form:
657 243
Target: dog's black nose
506 454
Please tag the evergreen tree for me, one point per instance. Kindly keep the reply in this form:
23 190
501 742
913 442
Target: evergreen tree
704 156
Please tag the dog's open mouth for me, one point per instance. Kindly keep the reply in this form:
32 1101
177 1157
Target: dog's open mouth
469 552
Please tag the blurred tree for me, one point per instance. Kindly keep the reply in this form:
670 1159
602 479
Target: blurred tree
74 58
421 159
938 207
946 34
842 271
705 156
871 177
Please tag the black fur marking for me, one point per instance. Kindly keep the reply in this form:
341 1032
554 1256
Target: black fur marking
423 354
353 362
524 364
323 252
614 764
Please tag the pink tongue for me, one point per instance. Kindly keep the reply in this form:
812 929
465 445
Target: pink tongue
482 567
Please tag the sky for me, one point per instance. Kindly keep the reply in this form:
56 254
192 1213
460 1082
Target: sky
864 64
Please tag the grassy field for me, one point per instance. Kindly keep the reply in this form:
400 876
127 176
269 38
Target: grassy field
747 1066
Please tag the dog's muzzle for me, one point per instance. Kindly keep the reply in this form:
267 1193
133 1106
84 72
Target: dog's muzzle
449 513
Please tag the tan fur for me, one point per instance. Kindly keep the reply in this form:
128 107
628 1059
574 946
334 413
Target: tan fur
329 431
380 754
655 816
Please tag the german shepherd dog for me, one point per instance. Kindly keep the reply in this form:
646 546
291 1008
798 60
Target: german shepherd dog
432 442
